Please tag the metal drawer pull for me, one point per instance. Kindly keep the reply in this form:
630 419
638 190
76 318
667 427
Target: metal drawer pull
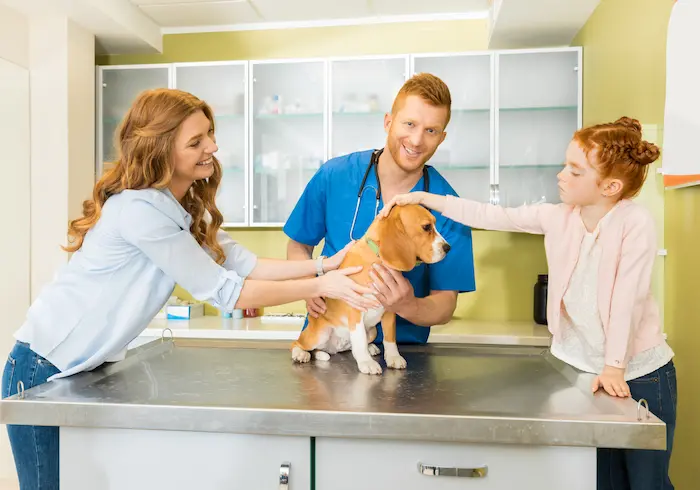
458 472
639 406
284 475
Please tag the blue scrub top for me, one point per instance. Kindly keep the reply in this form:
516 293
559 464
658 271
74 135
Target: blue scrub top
325 211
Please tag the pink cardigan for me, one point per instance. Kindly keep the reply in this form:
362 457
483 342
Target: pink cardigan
628 311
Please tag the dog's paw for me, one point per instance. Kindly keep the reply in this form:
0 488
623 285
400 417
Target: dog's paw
319 355
369 366
373 349
395 362
300 355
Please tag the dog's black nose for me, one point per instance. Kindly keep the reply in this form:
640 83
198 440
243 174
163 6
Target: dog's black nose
446 247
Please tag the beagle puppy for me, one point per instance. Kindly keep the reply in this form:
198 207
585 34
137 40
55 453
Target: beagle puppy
400 241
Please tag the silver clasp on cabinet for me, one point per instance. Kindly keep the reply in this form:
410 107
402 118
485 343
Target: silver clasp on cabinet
427 470
284 475
494 194
639 407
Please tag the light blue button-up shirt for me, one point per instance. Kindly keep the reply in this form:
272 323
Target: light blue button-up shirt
123 274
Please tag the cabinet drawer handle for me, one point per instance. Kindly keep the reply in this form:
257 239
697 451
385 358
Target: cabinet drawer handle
458 472
284 475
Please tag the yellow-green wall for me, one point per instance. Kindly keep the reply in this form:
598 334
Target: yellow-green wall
683 315
410 37
624 45
506 264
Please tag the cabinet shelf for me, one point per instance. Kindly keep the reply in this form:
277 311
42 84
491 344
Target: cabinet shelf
292 115
217 116
508 166
446 167
476 110
442 167
278 171
301 115
540 108
358 113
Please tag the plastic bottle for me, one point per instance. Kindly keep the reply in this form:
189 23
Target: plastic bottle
540 302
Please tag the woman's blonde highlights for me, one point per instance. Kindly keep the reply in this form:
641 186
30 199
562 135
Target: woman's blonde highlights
144 143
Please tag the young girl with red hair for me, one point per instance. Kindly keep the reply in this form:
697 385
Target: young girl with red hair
600 249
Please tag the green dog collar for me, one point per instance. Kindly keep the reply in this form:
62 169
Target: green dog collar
373 245
375 248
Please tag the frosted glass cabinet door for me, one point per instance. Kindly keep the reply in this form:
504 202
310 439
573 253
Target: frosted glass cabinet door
120 86
538 104
288 143
464 158
223 87
362 92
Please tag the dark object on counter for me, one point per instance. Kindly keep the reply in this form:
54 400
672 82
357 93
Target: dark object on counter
540 303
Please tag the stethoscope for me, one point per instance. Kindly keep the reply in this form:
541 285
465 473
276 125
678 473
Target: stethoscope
374 162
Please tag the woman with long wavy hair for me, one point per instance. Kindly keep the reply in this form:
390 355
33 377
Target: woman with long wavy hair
152 222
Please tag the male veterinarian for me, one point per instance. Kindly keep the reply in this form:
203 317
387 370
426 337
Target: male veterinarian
330 209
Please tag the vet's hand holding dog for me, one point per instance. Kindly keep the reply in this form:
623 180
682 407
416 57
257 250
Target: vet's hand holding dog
392 289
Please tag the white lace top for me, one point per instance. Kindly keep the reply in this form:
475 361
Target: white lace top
582 342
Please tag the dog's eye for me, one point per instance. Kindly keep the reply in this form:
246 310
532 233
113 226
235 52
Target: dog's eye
427 227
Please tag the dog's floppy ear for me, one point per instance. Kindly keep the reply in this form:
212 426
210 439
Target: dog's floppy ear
396 249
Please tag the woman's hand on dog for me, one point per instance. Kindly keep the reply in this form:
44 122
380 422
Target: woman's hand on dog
337 285
317 306
333 262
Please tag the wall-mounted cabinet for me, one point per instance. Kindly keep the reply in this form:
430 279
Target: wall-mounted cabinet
288 142
224 87
362 91
116 90
277 121
466 157
538 102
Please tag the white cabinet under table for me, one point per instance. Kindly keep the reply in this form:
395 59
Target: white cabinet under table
348 464
117 459
97 458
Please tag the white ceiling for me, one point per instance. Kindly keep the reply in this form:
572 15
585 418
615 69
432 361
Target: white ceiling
536 23
118 25
190 13
138 26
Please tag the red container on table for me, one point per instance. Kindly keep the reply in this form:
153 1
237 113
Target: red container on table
252 312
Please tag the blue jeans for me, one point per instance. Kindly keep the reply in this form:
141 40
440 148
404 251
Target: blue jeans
34 448
641 469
